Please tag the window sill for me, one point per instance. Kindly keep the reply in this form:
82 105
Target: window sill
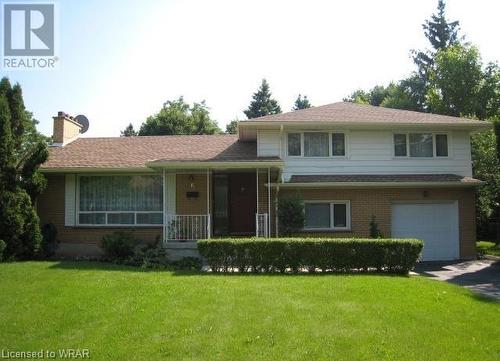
322 230
118 226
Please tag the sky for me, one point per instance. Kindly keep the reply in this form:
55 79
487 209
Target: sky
121 60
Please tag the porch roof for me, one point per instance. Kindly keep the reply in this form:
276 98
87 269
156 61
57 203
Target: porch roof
381 180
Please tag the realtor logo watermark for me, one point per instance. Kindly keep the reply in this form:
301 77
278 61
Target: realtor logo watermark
29 35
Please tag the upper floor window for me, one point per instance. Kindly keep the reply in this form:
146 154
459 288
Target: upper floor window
316 144
420 145
294 144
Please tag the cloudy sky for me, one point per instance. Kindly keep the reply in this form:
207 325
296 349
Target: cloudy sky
121 60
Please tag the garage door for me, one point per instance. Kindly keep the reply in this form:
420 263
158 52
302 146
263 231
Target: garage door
434 223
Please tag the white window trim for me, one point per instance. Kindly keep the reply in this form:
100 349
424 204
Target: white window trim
112 225
434 156
329 132
332 227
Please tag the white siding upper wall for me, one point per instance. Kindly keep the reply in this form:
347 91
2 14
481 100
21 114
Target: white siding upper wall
371 152
268 143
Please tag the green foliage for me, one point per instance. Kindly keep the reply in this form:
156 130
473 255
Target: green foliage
19 224
2 248
294 254
22 150
129 131
456 82
488 248
49 239
151 256
178 117
119 246
291 215
441 34
486 166
187 264
232 127
496 130
374 230
262 103
301 103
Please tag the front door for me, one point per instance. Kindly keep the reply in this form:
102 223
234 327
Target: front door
234 204
243 203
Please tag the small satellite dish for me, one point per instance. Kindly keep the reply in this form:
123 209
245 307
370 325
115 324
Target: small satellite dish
83 120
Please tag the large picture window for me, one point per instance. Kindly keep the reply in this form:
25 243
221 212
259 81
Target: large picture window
120 200
334 215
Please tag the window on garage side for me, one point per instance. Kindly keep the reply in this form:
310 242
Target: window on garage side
333 215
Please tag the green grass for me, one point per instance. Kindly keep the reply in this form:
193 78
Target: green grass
121 313
489 248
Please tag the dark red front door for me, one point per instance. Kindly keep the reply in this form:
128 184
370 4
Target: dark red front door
243 204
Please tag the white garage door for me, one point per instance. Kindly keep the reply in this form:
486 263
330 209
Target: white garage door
434 223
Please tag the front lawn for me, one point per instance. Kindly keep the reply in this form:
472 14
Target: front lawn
122 313
488 248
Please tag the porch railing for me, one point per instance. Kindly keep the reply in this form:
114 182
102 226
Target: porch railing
261 225
187 227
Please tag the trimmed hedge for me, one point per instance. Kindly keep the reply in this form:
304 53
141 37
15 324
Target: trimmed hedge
298 254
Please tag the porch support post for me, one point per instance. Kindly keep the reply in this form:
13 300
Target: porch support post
257 211
164 207
268 202
208 203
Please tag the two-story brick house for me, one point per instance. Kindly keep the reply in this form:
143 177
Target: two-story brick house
348 162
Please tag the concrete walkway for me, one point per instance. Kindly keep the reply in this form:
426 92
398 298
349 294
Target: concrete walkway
482 276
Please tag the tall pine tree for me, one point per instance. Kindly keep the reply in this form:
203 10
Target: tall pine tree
301 103
22 150
441 34
262 103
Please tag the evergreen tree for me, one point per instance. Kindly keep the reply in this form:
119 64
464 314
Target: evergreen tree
262 103
301 103
441 34
232 127
128 131
22 150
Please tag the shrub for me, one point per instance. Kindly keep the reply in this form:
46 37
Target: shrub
294 254
119 246
374 231
291 216
19 225
49 239
152 256
2 247
187 264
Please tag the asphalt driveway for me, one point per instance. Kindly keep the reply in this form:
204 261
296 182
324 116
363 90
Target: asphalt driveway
481 276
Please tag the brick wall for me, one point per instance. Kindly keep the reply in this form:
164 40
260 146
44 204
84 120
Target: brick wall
377 201
50 207
364 203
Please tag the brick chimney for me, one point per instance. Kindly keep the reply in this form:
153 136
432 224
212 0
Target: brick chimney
66 129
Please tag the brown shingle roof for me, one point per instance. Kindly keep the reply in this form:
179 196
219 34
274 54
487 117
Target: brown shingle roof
381 178
135 152
346 112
